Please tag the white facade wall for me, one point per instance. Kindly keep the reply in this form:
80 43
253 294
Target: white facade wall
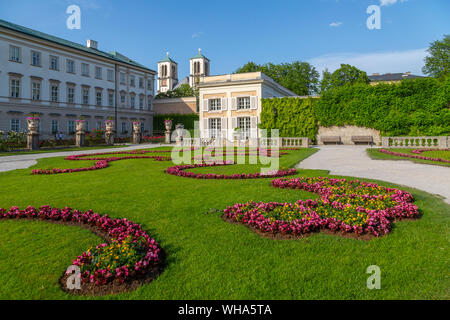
19 108
229 88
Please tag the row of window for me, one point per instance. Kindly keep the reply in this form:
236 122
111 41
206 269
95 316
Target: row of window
36 60
54 126
241 103
215 127
36 94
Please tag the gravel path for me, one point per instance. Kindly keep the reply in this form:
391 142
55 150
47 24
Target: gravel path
354 161
9 163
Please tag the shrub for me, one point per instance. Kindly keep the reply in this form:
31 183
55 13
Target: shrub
187 120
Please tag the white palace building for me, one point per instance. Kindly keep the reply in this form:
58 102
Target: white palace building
62 81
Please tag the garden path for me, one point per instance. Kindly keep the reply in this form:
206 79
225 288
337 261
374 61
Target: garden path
9 163
354 161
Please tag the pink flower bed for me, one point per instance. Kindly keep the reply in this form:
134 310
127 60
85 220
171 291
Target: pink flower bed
100 163
180 172
345 206
118 230
417 151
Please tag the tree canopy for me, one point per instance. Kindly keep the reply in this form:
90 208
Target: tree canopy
299 77
437 64
182 91
347 74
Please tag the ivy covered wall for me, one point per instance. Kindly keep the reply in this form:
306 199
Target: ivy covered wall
414 107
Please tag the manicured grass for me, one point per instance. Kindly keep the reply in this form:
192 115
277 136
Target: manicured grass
208 258
377 155
5 154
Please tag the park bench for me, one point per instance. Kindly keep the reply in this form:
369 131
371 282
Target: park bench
331 139
362 139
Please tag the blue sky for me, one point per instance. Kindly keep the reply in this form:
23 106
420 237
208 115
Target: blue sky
233 32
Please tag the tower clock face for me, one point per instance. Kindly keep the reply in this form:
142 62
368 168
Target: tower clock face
164 83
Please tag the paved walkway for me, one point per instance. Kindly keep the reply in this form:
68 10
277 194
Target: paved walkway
354 161
8 163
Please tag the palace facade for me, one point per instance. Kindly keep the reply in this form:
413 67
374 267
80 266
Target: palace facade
62 81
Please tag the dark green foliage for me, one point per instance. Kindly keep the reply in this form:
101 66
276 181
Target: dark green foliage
299 77
437 63
347 74
294 117
186 119
414 107
183 91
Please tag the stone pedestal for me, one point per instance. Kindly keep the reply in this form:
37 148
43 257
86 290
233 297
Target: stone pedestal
109 133
33 141
167 141
80 139
136 132
136 137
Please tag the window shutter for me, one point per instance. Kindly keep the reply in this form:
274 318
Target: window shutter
233 123
233 103
224 104
253 127
224 127
224 123
253 102
205 129
205 105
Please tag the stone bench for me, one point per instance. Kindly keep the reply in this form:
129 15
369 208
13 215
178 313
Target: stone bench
330 139
362 139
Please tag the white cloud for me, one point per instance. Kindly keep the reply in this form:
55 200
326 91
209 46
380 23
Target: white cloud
335 24
380 62
390 2
197 34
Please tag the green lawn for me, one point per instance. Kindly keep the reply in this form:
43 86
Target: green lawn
15 153
377 155
208 258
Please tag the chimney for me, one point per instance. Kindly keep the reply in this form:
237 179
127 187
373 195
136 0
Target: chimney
92 44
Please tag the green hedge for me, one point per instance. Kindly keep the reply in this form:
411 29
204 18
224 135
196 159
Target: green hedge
412 108
295 117
186 119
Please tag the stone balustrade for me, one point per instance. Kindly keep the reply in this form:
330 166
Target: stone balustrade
416 142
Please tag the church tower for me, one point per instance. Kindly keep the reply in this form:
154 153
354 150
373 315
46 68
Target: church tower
200 67
167 74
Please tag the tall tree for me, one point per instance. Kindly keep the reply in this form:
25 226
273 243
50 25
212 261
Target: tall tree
299 77
348 74
325 83
437 64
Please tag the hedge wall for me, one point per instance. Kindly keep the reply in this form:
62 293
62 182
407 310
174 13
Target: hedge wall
186 119
295 117
412 108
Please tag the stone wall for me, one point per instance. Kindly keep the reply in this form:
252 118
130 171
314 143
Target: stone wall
175 106
346 133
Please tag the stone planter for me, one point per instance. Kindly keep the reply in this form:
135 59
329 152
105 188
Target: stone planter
136 132
109 132
81 126
33 125
168 125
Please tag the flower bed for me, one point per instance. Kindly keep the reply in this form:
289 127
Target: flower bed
417 151
130 254
180 172
346 207
100 163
